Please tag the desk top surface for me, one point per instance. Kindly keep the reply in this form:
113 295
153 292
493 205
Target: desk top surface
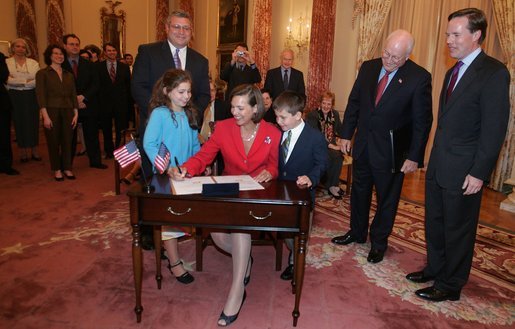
274 192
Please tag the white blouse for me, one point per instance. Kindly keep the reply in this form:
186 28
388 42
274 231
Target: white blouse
22 77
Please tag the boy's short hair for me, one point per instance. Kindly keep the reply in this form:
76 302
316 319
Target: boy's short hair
290 101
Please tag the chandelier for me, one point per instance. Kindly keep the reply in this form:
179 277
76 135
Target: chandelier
298 34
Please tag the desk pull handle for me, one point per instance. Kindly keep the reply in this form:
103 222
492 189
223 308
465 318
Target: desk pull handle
260 217
170 210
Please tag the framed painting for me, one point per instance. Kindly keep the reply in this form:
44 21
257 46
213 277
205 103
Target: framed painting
232 23
224 57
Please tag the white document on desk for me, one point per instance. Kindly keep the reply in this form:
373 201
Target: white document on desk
194 185
246 182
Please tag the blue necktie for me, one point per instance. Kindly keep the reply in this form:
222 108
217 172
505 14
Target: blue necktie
177 60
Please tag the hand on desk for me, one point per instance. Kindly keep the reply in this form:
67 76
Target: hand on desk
304 180
263 176
177 173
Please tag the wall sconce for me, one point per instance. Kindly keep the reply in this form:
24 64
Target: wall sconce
298 35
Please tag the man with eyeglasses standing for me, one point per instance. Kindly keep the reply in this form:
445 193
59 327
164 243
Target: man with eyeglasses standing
152 61
390 106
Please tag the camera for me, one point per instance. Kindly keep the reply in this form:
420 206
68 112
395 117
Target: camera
240 53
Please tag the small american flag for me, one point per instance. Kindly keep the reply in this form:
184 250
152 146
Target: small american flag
127 154
162 158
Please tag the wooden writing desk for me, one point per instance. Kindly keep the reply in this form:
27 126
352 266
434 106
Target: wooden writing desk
281 206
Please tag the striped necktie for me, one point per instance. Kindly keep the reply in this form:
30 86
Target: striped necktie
285 145
177 59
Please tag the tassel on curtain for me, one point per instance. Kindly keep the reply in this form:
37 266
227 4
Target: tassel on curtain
320 50
262 36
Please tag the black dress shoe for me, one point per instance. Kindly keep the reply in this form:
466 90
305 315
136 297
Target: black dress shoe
99 166
70 177
147 242
346 239
36 158
435 295
287 274
58 179
10 171
375 256
419 277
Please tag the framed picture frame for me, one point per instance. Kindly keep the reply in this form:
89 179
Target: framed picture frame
232 23
224 57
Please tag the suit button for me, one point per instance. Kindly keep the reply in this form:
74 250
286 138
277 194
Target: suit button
284 173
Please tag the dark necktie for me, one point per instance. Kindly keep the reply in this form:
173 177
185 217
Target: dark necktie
112 73
75 68
381 86
454 77
177 59
285 145
285 80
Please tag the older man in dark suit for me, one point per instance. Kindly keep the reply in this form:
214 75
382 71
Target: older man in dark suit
285 77
472 120
114 97
86 85
155 58
390 106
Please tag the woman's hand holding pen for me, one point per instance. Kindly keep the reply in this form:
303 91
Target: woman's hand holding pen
177 173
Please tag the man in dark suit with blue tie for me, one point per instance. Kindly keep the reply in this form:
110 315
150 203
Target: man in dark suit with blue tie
115 96
303 154
285 77
155 58
389 110
152 61
472 120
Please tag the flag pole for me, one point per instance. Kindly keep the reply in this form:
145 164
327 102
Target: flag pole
147 188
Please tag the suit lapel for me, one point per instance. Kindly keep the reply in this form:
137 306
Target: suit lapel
395 84
373 78
166 54
236 135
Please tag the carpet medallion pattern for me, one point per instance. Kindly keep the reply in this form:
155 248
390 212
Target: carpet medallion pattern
493 262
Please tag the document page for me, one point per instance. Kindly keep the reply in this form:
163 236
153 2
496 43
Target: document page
190 185
246 182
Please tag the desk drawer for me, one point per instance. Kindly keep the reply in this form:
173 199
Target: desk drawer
219 213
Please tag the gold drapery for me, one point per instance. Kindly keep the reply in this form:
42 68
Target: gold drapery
26 24
161 15
372 17
262 36
320 50
504 13
55 25
187 6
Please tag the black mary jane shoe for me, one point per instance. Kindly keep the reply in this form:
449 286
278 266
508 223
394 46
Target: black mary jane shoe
59 179
246 280
36 158
185 278
231 318
337 196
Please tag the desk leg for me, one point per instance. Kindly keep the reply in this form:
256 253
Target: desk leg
137 267
300 262
157 247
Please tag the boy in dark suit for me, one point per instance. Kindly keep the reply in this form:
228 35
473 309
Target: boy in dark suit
303 152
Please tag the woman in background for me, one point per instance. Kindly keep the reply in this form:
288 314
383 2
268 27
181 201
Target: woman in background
57 98
21 85
326 119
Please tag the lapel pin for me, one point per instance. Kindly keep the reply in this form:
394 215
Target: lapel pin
400 80
268 140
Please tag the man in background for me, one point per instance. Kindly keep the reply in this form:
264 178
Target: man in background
240 70
285 77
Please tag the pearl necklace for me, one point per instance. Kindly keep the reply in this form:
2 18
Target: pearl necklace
251 137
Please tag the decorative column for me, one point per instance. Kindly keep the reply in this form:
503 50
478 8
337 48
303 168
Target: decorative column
162 10
26 24
55 14
262 35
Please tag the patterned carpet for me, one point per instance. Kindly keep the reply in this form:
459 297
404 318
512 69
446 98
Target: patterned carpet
487 298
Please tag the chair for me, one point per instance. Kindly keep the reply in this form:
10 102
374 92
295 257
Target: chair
346 173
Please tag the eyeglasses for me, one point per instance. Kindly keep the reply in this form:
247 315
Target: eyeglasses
178 27
387 55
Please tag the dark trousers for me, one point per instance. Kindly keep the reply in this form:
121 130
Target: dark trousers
107 116
388 191
451 224
6 152
334 168
90 128
59 138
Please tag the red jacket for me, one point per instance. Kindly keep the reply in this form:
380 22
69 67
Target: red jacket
226 138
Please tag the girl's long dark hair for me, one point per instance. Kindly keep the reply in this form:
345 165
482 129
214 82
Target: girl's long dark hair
170 80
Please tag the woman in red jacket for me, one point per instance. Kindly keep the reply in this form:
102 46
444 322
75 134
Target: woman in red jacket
249 146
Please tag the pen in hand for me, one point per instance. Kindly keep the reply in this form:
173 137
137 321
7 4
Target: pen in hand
177 164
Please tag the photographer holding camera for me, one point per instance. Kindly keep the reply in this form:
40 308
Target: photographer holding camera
240 70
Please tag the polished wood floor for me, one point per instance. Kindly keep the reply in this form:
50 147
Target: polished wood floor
491 214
